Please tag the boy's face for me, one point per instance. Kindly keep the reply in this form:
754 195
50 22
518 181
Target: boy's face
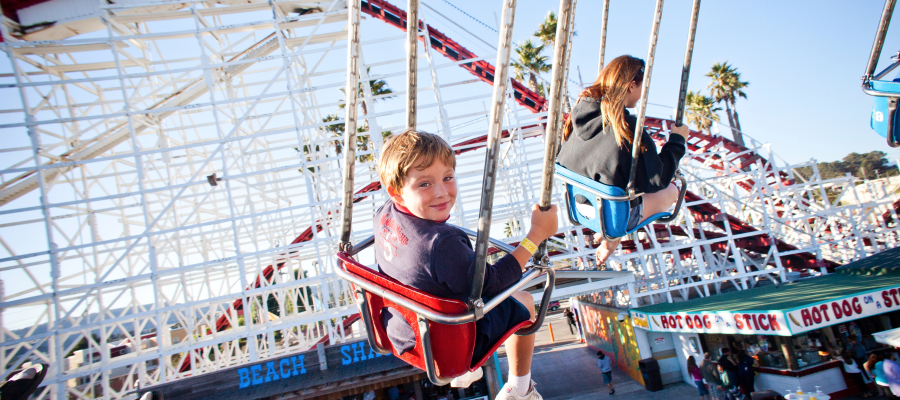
429 193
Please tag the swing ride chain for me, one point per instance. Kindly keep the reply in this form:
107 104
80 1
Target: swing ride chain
498 99
686 69
351 91
642 106
875 54
554 116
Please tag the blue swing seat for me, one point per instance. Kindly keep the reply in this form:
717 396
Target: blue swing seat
611 210
881 115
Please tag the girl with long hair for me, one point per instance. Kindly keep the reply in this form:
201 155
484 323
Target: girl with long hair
598 137
697 375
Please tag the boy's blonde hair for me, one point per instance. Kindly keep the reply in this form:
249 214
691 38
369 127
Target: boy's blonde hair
403 150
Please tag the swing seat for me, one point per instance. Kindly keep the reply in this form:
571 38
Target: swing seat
444 328
609 204
883 120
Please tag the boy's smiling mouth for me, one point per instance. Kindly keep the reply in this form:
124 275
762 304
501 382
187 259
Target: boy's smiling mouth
441 206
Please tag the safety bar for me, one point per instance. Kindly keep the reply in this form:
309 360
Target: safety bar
888 70
681 193
873 92
450 319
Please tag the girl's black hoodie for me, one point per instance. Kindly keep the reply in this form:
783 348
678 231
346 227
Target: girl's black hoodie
593 153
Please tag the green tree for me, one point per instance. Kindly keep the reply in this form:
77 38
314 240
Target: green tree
701 111
530 61
725 87
870 165
379 87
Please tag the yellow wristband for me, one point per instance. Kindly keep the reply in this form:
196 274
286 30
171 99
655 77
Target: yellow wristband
527 244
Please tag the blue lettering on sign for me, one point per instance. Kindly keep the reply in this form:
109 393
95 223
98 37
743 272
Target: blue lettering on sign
356 352
275 370
256 369
244 375
295 365
270 372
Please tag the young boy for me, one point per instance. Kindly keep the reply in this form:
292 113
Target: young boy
415 245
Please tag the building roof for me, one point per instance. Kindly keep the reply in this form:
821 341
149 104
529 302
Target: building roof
872 273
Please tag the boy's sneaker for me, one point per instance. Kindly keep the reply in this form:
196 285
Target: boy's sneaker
466 380
508 392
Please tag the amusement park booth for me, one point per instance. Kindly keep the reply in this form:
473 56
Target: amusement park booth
794 331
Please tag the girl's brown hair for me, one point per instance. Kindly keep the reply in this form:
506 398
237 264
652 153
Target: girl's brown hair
611 87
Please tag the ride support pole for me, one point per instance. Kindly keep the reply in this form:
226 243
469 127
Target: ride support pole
412 61
568 57
554 114
492 153
875 54
603 35
686 69
351 92
645 92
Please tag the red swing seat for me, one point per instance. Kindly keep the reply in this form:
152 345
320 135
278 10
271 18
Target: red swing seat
453 354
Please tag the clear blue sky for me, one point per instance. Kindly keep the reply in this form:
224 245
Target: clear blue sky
803 59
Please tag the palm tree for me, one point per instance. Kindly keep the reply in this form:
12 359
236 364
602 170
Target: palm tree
546 32
701 111
530 61
737 85
726 85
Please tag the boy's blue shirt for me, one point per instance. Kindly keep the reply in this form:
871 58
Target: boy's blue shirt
434 257
437 258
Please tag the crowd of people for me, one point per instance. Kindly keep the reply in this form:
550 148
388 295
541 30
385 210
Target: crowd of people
732 376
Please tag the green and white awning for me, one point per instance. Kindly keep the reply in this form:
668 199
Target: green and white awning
857 290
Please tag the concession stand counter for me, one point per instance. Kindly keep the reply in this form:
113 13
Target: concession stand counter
794 331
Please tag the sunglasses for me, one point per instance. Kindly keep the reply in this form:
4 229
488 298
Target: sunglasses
640 73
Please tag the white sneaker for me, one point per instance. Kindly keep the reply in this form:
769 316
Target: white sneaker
466 380
508 392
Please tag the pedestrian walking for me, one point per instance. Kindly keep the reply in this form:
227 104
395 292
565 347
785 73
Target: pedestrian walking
697 375
711 376
605 365
571 318
855 371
